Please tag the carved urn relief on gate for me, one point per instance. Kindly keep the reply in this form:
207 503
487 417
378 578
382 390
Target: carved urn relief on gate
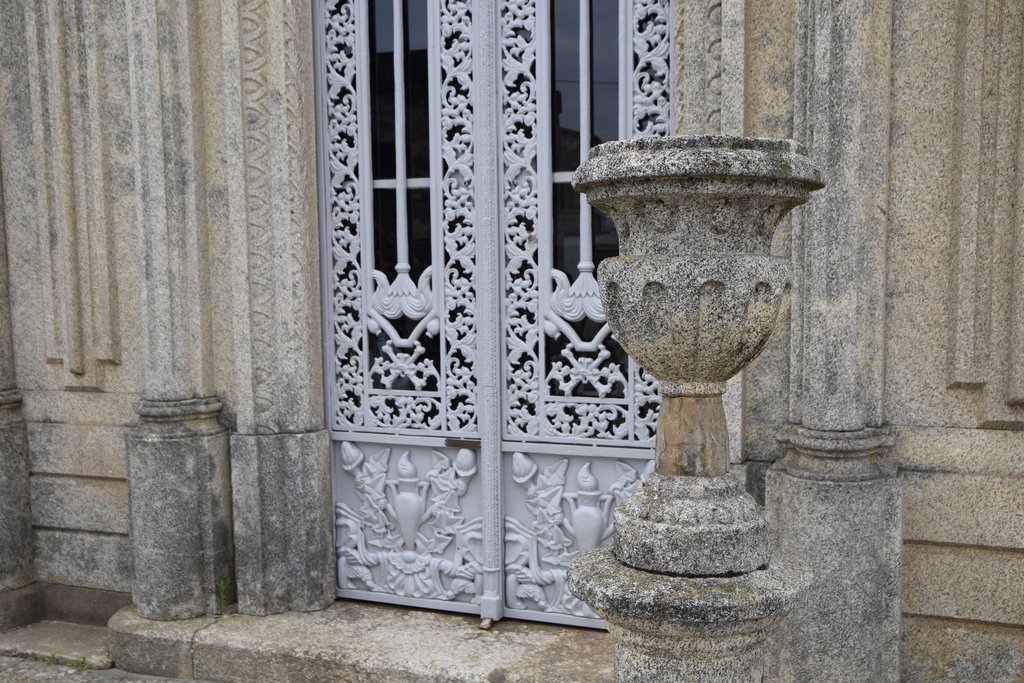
409 535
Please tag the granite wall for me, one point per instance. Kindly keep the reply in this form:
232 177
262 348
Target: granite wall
949 317
941 366
159 199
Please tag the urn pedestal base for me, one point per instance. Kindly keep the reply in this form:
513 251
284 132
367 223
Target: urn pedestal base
692 526
695 629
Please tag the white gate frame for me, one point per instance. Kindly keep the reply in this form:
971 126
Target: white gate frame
493 445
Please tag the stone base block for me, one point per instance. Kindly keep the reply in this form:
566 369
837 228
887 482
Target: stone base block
672 628
155 648
16 568
180 494
18 607
692 526
282 511
849 535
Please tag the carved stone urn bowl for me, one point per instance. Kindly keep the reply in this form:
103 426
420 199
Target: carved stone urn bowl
695 293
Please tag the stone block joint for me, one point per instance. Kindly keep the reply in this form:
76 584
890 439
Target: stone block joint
689 588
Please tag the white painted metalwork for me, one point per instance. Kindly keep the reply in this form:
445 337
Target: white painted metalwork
484 421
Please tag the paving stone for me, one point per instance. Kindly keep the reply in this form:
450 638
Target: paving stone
60 642
25 671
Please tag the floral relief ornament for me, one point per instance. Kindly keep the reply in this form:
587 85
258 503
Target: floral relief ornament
409 536
563 524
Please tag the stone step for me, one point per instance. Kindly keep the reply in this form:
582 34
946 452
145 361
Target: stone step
364 642
25 670
58 642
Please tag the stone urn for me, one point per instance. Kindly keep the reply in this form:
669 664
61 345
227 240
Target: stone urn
693 297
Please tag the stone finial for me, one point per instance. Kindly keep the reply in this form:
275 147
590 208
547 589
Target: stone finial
693 297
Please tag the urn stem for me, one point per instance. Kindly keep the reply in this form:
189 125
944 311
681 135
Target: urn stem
692 438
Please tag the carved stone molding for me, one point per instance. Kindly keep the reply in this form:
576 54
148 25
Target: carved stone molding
708 72
282 328
259 96
81 154
986 291
838 456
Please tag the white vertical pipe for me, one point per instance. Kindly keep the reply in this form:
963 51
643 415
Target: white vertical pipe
625 69
490 241
586 263
401 180
545 231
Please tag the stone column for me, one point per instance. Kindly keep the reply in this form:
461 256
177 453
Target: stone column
833 499
18 603
260 112
178 476
689 588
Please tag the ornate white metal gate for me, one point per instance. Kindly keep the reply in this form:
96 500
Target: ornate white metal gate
484 422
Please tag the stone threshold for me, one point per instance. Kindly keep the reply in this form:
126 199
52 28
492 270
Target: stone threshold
358 641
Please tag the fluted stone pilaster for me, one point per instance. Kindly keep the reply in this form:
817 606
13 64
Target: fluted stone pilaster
178 471
834 498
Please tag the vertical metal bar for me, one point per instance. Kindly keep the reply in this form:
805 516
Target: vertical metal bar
489 288
625 69
366 231
324 188
586 262
323 175
401 179
626 37
545 200
437 227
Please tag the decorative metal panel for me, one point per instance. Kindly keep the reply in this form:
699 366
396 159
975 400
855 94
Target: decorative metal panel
413 449
558 508
567 378
404 341
409 524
